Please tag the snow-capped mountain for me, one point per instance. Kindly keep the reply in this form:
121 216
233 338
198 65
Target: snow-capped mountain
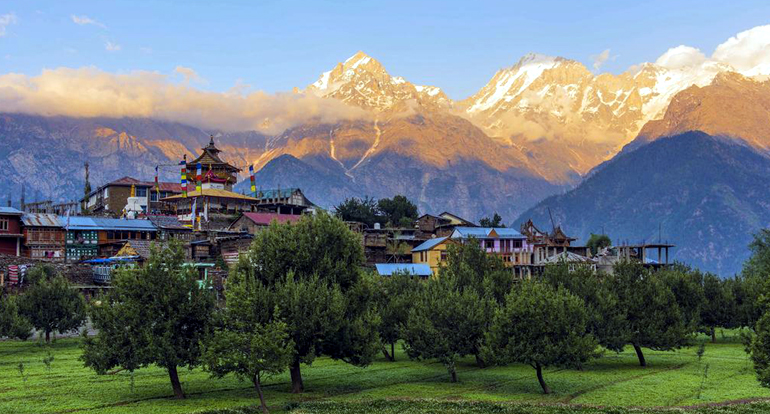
362 81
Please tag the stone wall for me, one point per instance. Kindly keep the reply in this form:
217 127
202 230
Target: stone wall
76 273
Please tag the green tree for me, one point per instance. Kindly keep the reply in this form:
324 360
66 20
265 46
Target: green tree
394 298
759 349
718 305
606 318
12 324
495 221
445 323
242 342
314 267
51 304
653 317
363 210
541 326
398 211
157 314
687 286
598 242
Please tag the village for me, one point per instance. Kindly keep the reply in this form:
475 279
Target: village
115 224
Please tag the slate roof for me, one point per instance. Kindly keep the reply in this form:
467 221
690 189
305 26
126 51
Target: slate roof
484 233
569 257
277 193
429 244
266 218
416 269
167 222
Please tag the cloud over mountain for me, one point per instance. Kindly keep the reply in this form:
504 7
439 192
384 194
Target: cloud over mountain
90 92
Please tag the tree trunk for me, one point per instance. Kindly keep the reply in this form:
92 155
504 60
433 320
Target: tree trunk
47 336
540 379
713 334
296 379
393 351
640 355
258 386
452 372
480 361
175 384
389 357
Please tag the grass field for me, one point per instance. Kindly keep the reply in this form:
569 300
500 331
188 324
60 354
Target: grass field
723 374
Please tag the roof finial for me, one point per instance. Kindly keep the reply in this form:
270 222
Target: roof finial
211 142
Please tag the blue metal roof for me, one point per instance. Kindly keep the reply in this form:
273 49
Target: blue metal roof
98 223
429 244
389 269
483 233
10 210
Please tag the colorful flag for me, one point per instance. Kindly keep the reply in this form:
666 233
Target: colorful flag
157 186
253 185
199 178
184 178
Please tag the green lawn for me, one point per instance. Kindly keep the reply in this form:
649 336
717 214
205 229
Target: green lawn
671 379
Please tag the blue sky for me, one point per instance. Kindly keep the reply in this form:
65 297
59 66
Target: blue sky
277 45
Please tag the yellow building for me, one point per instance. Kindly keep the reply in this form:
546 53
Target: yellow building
432 252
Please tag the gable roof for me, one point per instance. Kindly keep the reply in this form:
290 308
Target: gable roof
455 218
167 222
139 248
429 244
265 219
416 269
486 233
213 192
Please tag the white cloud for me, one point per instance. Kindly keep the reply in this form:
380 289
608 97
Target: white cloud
84 20
5 21
90 92
111 47
602 58
748 51
681 57
189 75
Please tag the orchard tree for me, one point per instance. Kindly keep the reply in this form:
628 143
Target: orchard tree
51 304
446 324
12 324
394 298
541 326
653 317
606 317
687 286
158 314
718 305
313 268
242 342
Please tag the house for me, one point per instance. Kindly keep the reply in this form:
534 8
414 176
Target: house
431 252
414 269
508 244
111 199
283 201
136 250
169 227
441 225
89 237
10 231
44 236
251 223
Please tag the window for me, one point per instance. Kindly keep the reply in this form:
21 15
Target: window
517 244
443 255
141 192
489 244
3 224
154 196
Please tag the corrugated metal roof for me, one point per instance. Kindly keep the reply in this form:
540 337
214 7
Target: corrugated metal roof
10 210
40 220
98 223
484 232
416 269
429 244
